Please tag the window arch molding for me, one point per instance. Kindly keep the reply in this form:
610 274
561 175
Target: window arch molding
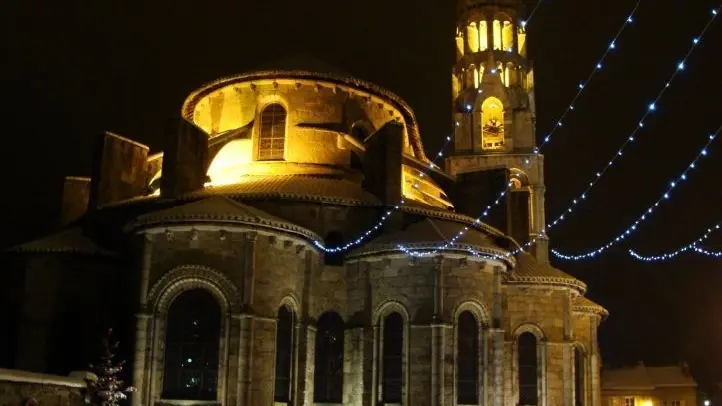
174 283
380 314
481 316
541 341
290 303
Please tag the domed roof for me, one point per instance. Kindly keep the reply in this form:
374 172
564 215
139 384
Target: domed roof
301 62
428 234
219 209
531 271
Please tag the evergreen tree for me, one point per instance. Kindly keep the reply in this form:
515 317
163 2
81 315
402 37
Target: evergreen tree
108 389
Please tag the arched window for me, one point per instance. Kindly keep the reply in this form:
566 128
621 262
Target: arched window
579 374
483 36
473 35
284 355
528 370
272 136
392 355
507 36
497 34
492 130
521 40
328 376
191 347
467 360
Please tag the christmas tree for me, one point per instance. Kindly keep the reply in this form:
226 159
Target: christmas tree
108 389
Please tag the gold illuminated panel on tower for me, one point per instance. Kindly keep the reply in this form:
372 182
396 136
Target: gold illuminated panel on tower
492 128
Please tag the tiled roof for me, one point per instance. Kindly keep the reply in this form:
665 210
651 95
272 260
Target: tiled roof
300 187
670 376
219 209
584 305
70 240
645 377
634 378
428 234
529 270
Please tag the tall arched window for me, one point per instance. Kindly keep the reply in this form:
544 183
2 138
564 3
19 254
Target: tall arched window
392 355
328 376
579 374
272 136
191 347
467 360
284 355
528 370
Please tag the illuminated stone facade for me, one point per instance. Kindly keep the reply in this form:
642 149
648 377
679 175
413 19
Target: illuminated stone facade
214 247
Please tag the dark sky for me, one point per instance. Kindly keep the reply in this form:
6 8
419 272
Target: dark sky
75 68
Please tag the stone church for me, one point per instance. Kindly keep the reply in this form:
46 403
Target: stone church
294 245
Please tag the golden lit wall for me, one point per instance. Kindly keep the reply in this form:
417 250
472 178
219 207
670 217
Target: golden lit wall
319 119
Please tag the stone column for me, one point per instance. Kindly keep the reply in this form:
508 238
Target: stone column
141 363
245 360
499 363
438 348
541 245
594 375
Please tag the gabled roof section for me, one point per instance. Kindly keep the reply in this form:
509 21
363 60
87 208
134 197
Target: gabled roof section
69 241
428 234
530 271
219 209
584 305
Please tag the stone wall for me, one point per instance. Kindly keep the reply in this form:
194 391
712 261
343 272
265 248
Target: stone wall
19 388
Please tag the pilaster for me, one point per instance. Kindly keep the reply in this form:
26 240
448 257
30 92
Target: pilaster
141 363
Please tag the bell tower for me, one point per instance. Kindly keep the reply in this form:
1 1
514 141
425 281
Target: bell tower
494 116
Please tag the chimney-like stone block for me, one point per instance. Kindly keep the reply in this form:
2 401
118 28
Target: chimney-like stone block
382 163
76 196
477 190
184 159
119 171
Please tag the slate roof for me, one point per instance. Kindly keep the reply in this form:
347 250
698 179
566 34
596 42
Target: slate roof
219 209
295 187
642 377
428 234
529 270
584 305
70 240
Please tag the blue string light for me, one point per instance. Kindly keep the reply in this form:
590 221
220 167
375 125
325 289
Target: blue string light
713 254
362 236
628 20
647 213
651 107
531 15
597 68
673 254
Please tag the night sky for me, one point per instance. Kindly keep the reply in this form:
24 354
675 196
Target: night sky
75 68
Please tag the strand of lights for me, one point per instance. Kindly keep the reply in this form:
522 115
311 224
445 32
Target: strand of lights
673 254
628 20
531 15
651 108
583 85
362 236
713 254
633 228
